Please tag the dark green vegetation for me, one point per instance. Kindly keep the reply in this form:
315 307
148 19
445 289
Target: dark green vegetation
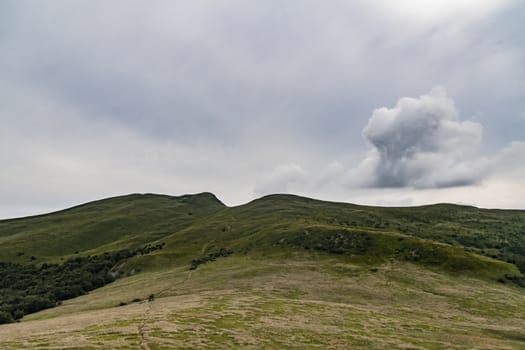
210 257
25 288
53 257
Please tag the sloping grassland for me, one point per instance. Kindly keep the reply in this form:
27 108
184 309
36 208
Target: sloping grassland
299 273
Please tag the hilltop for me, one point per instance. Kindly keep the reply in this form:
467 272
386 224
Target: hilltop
282 271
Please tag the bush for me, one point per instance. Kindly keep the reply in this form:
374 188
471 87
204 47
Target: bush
210 257
5 317
34 303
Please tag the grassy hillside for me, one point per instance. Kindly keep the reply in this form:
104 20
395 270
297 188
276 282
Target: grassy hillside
280 272
278 220
302 300
105 225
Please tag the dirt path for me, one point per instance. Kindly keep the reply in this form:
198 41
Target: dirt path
141 327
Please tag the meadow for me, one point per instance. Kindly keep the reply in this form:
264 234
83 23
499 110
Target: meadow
281 272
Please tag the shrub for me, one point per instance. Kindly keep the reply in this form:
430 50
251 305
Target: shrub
5 317
210 257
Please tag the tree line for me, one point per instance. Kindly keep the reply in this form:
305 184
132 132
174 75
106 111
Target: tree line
25 288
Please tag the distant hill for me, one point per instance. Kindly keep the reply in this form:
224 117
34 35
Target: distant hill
185 223
104 225
197 234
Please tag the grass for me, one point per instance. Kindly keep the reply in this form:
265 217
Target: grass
303 274
93 228
289 303
193 226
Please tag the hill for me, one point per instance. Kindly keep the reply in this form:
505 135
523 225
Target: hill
279 272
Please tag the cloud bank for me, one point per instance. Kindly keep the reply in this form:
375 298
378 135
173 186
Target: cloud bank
245 97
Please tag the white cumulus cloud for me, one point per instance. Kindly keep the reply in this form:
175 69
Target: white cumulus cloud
420 143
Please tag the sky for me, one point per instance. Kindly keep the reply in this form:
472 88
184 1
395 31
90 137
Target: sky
380 102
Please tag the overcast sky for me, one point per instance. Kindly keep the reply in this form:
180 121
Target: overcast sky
382 102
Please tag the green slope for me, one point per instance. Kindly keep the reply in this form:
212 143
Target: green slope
303 273
282 223
455 238
105 225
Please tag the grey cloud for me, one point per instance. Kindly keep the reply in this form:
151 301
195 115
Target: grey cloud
422 143
186 69
282 179
100 98
509 163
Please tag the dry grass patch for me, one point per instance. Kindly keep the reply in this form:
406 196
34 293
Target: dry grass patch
250 304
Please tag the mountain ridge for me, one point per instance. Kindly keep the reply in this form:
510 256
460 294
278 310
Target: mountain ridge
132 220
274 196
